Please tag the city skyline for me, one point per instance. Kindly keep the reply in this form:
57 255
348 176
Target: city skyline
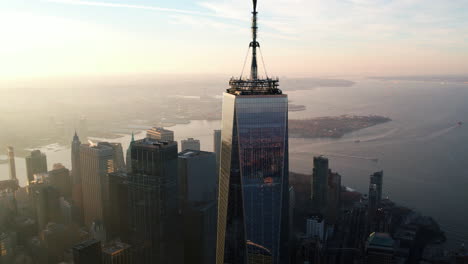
76 37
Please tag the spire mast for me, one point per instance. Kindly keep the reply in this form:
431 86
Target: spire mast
254 44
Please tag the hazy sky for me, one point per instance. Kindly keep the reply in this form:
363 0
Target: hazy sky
298 37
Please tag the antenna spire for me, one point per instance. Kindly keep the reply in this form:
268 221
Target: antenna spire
254 44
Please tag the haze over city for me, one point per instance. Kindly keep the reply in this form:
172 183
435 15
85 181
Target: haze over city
47 38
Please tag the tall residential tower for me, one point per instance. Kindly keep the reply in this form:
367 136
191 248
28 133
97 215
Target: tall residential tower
253 180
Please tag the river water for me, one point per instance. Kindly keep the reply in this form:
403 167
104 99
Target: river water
422 151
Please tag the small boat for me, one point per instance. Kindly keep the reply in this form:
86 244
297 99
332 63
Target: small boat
357 141
460 123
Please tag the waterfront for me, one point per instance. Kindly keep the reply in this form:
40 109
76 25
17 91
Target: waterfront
422 151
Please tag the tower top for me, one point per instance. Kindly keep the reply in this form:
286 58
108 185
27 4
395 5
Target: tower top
75 137
254 85
254 44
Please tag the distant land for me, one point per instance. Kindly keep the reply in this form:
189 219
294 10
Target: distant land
332 127
297 84
428 78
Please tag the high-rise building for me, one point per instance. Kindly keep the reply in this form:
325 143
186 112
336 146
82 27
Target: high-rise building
128 158
253 181
190 143
153 201
118 224
117 253
7 247
96 160
315 227
160 133
200 233
11 163
119 163
380 249
45 199
87 252
60 179
320 183
77 195
35 163
333 197
377 179
198 182
217 147
197 176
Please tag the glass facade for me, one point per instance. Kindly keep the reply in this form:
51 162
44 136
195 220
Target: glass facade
253 197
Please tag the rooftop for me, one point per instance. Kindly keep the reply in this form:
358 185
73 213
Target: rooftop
380 240
115 248
193 153
85 244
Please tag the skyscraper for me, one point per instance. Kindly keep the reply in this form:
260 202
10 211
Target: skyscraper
197 176
128 158
190 143
377 179
11 163
153 201
253 181
159 133
320 183
217 147
77 195
96 160
60 179
35 163
198 182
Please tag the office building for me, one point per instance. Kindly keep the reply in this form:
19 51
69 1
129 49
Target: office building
217 147
160 133
200 233
45 200
77 195
377 179
380 249
197 176
11 163
7 247
96 160
153 202
333 197
117 253
254 174
320 183
60 179
315 227
191 144
128 157
87 252
35 163
118 224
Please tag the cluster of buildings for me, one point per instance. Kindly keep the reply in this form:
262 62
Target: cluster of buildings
160 206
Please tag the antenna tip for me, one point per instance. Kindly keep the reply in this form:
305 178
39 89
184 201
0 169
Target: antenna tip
255 5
